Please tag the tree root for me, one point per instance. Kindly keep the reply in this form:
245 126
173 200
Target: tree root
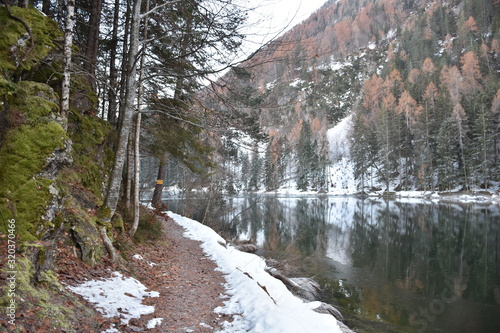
108 244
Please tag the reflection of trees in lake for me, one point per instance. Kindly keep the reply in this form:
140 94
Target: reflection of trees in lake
420 246
395 258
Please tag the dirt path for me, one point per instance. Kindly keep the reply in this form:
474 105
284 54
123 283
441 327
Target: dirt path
190 288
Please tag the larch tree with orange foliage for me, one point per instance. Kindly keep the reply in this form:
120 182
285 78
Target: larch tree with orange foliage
452 79
409 108
343 31
471 73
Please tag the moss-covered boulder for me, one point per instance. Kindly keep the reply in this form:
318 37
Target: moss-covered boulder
21 55
25 152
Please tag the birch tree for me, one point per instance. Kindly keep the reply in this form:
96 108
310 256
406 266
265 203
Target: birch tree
68 44
127 116
137 154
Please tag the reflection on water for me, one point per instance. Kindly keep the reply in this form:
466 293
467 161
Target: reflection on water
390 266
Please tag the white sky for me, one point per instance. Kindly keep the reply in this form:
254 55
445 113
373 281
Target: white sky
272 16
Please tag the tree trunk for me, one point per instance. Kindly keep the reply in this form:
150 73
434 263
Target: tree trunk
93 37
129 171
137 154
157 194
46 7
113 84
68 43
124 65
128 113
137 168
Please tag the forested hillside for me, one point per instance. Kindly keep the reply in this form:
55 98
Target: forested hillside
416 83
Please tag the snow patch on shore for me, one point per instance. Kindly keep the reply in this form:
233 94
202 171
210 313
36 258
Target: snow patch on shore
117 296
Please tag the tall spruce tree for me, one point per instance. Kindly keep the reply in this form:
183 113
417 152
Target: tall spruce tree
307 158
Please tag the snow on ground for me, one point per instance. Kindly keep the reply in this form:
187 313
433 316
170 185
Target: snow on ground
154 322
139 257
117 296
259 302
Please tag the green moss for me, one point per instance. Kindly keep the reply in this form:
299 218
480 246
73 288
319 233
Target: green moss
36 101
23 156
31 295
117 222
93 159
150 227
104 213
16 53
7 88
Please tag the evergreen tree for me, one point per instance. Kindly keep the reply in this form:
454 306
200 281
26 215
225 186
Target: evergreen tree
270 167
483 146
424 141
459 121
389 141
446 156
363 148
307 158
245 165
255 171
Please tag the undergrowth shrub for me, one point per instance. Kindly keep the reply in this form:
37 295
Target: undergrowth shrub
149 229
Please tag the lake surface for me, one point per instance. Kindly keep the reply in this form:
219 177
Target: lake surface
387 265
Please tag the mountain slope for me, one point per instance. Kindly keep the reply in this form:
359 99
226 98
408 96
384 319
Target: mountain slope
420 80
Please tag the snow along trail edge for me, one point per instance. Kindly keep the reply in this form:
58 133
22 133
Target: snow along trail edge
258 302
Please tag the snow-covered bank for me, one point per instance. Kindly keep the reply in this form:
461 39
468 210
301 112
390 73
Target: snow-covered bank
258 301
487 197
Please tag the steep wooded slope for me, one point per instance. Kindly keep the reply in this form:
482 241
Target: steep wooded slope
420 77
51 178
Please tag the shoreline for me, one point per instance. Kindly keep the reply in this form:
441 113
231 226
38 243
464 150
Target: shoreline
481 197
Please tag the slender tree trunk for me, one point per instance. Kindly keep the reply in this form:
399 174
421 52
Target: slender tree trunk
157 194
137 153
124 65
93 37
113 84
128 113
137 168
46 7
68 43
129 171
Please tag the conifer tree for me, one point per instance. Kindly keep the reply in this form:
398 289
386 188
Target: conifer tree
483 146
256 170
364 148
307 158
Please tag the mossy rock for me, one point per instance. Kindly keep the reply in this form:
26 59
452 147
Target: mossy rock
46 296
37 102
93 158
87 238
117 222
24 194
17 55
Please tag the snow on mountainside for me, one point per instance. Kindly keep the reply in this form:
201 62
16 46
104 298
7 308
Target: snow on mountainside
412 87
